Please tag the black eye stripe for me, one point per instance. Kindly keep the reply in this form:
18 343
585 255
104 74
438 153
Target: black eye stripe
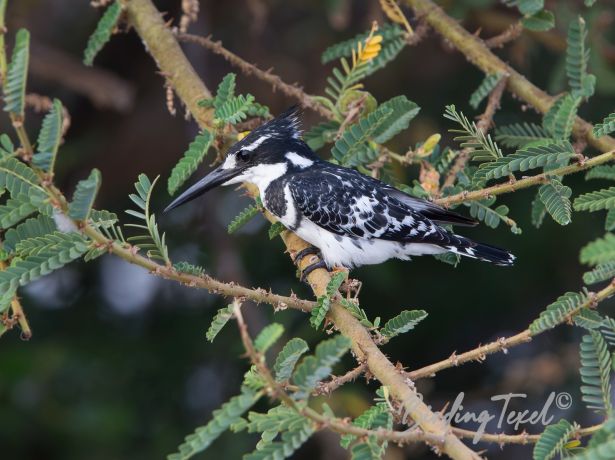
243 155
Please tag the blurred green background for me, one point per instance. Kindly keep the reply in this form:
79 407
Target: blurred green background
118 366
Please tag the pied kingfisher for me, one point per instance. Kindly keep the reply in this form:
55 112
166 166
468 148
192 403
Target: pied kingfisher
351 219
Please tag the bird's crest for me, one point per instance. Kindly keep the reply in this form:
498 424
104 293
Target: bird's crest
287 124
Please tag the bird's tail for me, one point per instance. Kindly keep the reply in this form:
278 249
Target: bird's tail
468 248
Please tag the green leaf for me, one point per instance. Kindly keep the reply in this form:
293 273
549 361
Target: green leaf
595 201
588 319
599 251
393 41
544 154
49 138
559 120
191 159
402 112
223 418
595 372
219 321
539 22
520 134
17 74
526 7
152 241
235 109
45 254
559 311
538 211
492 217
15 210
353 140
225 91
371 449
581 83
377 416
83 198
243 218
17 178
556 198
323 303
268 336
102 34
318 313
484 148
602 272
552 440
484 89
6 145
402 323
275 229
356 311
606 127
277 419
6 298
313 369
185 267
288 357
321 134
388 31
601 172
34 227
290 441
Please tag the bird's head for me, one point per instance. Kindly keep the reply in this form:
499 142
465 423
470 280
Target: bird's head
268 152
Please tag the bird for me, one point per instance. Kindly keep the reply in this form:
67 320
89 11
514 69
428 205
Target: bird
349 219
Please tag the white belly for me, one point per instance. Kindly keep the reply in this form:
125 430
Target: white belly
349 252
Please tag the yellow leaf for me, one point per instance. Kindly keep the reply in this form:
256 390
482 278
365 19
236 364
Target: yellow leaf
395 14
572 444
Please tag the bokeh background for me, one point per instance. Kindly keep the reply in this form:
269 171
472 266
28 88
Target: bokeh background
118 366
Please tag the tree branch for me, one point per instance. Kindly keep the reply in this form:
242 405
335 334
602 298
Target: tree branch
481 56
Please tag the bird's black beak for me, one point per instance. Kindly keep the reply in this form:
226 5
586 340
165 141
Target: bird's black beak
217 177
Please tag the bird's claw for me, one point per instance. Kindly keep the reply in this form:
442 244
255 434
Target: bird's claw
310 250
310 268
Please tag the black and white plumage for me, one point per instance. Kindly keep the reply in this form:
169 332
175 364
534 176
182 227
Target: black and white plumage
351 218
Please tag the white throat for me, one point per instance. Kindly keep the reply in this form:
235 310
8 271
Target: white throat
261 175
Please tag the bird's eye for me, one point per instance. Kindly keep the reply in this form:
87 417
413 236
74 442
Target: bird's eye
243 155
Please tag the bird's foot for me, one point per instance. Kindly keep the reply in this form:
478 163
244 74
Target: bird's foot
310 250
310 268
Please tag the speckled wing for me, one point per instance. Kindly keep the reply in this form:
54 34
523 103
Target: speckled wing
348 203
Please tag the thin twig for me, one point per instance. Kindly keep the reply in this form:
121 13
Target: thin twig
250 69
511 33
504 344
526 182
326 388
